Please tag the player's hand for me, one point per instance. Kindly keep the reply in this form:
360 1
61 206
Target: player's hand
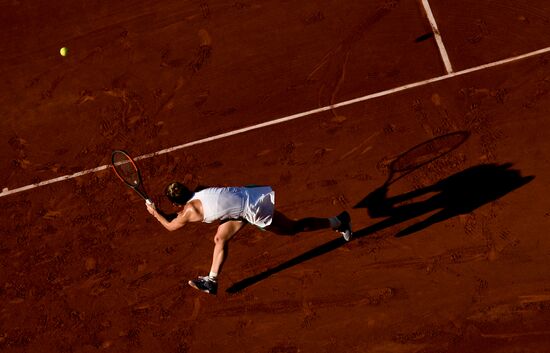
151 208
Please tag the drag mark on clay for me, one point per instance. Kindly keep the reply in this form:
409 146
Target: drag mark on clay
361 145
334 91
534 298
526 306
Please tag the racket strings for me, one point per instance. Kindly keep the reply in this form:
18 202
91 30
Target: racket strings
126 169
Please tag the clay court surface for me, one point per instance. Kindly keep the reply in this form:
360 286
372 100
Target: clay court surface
453 257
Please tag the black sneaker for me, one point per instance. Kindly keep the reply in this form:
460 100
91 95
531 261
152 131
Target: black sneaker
205 284
345 225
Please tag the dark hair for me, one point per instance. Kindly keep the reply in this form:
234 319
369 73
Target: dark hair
178 193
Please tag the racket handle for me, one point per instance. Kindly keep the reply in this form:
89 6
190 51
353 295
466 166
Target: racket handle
149 202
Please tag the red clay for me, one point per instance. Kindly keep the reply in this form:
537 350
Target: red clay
84 267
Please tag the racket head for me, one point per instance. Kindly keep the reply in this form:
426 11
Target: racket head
424 153
125 168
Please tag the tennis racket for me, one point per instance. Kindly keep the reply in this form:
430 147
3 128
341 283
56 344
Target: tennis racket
422 154
127 171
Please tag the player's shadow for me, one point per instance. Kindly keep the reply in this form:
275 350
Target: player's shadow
458 194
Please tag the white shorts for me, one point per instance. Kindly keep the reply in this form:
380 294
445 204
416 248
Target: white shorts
259 205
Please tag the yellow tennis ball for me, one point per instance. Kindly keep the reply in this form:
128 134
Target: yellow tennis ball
63 51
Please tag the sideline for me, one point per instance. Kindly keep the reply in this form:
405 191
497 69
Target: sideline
6 191
438 39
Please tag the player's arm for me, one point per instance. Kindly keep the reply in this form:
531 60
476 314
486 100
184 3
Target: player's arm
170 222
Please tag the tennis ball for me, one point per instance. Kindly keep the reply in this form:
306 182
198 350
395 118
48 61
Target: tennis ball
63 51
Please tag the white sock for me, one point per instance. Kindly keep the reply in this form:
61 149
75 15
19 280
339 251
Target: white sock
334 222
213 275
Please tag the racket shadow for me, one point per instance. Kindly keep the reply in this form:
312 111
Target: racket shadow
458 194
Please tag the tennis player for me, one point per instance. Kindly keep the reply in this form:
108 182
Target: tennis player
234 207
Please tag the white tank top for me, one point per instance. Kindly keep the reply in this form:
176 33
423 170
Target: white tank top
220 203
254 204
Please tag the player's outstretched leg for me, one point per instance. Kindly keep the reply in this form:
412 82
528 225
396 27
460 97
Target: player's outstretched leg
284 226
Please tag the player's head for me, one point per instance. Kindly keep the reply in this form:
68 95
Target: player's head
177 193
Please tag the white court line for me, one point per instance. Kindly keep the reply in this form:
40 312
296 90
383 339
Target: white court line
7 192
438 38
